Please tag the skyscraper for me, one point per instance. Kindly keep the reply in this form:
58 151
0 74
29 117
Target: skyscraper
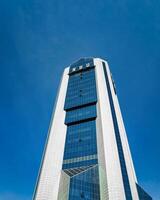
87 156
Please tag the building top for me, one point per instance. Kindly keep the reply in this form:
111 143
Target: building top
81 65
82 61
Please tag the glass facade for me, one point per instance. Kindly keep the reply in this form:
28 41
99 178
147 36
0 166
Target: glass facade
81 89
85 185
80 156
80 140
80 114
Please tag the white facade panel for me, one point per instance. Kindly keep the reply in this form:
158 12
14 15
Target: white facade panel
63 193
125 145
49 179
101 157
113 170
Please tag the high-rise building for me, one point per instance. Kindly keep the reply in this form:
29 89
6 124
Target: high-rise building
87 156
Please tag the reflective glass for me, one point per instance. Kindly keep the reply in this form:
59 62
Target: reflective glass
80 140
80 114
81 89
80 154
85 185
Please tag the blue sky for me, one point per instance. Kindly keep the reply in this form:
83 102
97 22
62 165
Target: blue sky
37 40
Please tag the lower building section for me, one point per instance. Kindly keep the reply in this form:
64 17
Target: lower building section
83 183
64 186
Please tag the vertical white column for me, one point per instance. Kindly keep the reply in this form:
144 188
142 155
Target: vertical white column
127 155
101 157
111 158
49 178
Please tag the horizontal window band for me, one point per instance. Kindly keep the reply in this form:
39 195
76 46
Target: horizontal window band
79 159
80 114
80 164
74 93
79 102
81 121
82 78
81 106
81 70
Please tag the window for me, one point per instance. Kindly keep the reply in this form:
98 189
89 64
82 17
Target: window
86 132
80 114
81 91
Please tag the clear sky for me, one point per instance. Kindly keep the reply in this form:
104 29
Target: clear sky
37 40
